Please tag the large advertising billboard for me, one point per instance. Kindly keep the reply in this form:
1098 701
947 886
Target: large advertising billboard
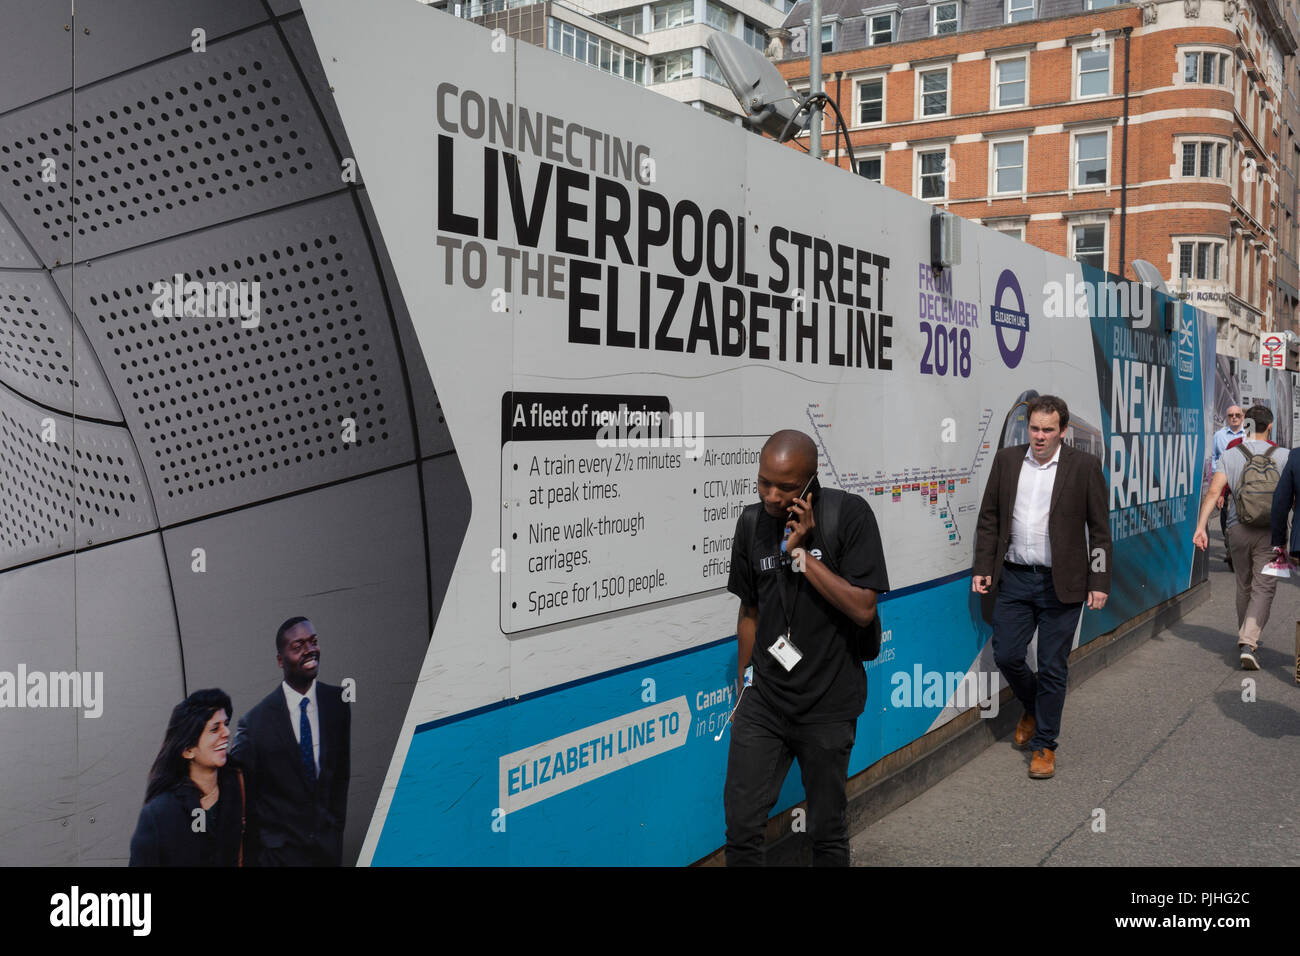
575 310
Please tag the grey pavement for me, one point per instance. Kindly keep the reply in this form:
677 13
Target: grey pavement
1186 772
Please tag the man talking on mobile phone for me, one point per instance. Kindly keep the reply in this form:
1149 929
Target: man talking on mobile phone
807 565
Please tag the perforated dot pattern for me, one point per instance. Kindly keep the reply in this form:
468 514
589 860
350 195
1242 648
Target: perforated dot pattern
224 415
191 141
86 479
37 354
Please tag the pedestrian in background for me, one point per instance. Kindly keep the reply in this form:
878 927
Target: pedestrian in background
1250 472
1235 430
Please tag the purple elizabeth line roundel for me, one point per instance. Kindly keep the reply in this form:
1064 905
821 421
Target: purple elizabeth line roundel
1005 318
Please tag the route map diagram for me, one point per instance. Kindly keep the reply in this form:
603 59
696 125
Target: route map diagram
934 487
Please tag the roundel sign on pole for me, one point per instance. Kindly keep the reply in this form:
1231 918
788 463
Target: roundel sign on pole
1272 350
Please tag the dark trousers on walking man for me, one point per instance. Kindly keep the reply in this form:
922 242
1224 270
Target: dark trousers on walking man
1027 601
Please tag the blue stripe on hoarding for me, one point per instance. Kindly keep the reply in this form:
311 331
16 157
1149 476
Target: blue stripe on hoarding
488 708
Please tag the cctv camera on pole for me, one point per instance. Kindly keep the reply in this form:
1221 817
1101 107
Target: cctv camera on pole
766 98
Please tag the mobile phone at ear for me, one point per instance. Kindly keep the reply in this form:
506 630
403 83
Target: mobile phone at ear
813 485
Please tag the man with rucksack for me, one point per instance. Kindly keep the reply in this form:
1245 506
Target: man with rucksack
807 565
1250 471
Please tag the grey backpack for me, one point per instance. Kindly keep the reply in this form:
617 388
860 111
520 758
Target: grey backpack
1254 497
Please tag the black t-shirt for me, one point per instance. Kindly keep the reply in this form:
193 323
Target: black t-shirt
829 683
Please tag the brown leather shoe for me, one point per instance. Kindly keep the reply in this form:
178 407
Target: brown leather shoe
1025 731
1043 764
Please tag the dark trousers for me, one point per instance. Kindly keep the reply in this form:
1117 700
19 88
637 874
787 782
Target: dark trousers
1027 600
763 743
293 856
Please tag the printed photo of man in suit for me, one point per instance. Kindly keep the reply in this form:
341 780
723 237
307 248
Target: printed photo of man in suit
295 749
1031 548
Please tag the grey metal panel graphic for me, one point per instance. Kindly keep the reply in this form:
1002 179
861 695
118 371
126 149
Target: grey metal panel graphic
37 52
348 557
250 415
40 209
126 629
298 36
38 748
226 416
192 141
447 502
117 35
435 439
42 506
43 353
14 253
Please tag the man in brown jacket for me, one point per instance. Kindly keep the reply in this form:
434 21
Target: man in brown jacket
1031 547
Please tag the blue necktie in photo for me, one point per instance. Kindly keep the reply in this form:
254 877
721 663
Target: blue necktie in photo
305 743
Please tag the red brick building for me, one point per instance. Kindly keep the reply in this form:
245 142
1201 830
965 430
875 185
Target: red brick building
1012 113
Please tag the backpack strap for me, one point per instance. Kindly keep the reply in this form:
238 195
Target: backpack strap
829 524
748 523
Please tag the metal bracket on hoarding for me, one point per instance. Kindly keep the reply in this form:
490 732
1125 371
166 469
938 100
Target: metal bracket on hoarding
945 240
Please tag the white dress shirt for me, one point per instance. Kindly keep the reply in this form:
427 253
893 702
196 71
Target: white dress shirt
1029 540
292 697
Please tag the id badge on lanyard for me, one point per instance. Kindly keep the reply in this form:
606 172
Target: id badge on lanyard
785 652
783 649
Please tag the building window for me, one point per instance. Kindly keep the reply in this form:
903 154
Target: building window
608 57
1207 158
1009 167
628 21
675 14
828 37
932 167
872 167
1010 82
1201 259
1094 72
944 18
1090 245
1205 66
1015 232
871 101
1090 155
1100 4
755 36
717 16
882 28
934 92
1020 10
672 66
711 69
